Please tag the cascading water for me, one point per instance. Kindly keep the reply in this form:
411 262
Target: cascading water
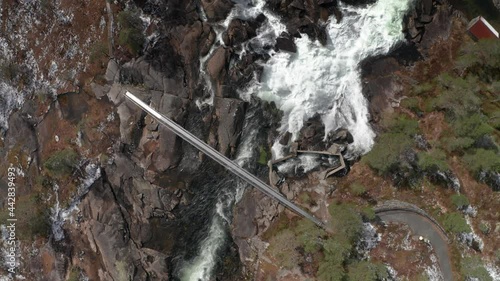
318 79
325 80
201 267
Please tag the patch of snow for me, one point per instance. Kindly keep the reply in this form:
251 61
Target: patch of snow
471 239
60 216
493 271
407 245
111 117
52 69
102 24
470 211
434 272
10 99
369 239
393 275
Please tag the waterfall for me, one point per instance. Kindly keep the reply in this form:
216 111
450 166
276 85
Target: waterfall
318 79
325 80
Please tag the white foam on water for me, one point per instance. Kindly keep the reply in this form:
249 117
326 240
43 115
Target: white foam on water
326 80
201 267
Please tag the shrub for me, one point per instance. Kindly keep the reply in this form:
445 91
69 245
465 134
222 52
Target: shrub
403 125
9 71
309 235
485 227
62 162
455 223
74 274
423 88
482 59
434 160
98 51
368 213
385 155
412 104
131 34
482 160
457 144
357 189
459 200
346 221
329 272
472 126
472 268
457 96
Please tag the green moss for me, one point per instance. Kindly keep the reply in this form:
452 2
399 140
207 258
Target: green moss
412 104
367 271
368 213
62 162
263 156
283 248
74 274
459 200
131 34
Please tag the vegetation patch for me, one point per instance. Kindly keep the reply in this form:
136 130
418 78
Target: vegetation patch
131 35
62 162
455 223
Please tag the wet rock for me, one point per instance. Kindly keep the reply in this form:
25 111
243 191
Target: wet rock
230 113
217 10
285 43
167 149
243 224
217 68
112 71
491 178
450 179
238 32
73 106
298 4
358 2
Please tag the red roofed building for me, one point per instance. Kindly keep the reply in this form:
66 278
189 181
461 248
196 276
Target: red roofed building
479 28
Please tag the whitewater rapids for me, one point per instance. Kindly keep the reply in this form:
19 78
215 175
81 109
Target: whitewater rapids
326 80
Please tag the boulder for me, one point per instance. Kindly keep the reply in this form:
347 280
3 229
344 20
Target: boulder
285 42
217 10
167 152
230 113
238 32
217 69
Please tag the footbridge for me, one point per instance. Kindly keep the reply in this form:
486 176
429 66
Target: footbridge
223 160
